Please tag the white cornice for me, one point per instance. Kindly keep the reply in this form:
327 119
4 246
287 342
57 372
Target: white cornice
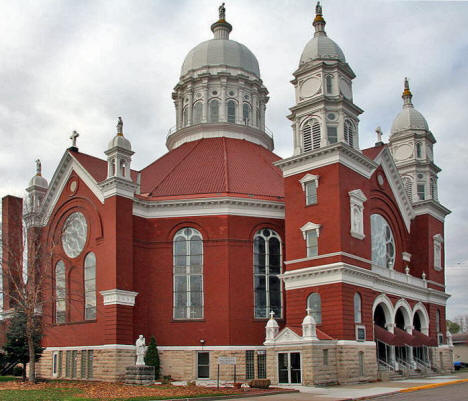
119 297
340 272
394 179
209 207
431 207
336 153
118 186
67 164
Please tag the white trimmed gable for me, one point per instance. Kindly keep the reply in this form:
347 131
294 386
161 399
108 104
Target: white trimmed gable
63 172
285 337
385 159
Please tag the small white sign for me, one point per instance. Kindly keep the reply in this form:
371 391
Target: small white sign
226 360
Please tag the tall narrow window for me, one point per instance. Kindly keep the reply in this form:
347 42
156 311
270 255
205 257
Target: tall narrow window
312 243
261 364
185 116
267 267
246 113
90 286
311 192
311 135
249 364
332 134
329 80
257 123
60 292
433 189
188 274
203 361
214 111
314 303
307 137
348 132
231 111
357 308
418 150
437 321
197 112
316 135
421 191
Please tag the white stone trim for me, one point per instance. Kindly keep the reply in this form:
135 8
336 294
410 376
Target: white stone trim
211 348
385 159
310 227
406 256
355 342
119 297
356 204
309 178
209 207
327 255
424 324
93 347
345 273
438 240
431 207
336 153
118 186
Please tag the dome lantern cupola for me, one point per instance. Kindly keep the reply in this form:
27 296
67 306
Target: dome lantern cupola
411 143
324 113
220 93
36 192
119 155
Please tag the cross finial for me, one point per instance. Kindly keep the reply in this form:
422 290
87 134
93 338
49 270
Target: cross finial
73 138
379 133
120 127
222 12
38 167
272 314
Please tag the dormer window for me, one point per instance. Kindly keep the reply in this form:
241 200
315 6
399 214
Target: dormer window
310 232
309 185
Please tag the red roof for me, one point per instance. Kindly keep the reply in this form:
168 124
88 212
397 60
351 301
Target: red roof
214 166
373 152
94 166
321 335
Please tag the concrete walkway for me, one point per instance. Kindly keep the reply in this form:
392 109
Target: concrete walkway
362 391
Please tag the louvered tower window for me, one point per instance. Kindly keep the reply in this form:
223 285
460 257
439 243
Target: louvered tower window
311 135
433 189
408 184
348 132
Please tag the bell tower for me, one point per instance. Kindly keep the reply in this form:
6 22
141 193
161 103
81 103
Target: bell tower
324 112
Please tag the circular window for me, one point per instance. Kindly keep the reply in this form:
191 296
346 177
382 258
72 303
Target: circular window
331 116
246 97
74 234
214 93
383 244
231 93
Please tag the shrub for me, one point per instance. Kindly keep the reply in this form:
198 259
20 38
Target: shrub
152 357
260 383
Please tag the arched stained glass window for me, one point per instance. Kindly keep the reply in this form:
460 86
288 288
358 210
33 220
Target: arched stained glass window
197 112
90 286
231 111
188 274
267 268
314 303
349 133
60 292
214 111
383 244
357 308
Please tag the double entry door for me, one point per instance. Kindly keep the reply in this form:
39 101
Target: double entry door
289 367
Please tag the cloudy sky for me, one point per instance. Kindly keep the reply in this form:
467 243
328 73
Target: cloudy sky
70 64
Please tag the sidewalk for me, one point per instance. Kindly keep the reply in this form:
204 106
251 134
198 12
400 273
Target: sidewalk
360 391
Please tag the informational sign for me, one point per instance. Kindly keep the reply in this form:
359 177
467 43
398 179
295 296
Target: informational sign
226 360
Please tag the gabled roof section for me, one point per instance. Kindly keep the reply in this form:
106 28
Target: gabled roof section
382 156
88 168
214 166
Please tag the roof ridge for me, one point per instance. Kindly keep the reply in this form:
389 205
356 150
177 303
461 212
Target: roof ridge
196 143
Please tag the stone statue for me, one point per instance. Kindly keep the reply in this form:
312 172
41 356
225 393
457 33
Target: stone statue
318 8
222 12
120 126
38 167
73 137
140 350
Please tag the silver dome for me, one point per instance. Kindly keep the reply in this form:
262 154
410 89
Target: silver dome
120 141
220 52
321 47
38 181
409 118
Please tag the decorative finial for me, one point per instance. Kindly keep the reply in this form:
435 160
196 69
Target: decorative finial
379 133
222 12
309 310
319 22
407 270
73 138
38 167
120 127
407 95
423 275
272 314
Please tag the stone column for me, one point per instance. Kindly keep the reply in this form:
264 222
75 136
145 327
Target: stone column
222 106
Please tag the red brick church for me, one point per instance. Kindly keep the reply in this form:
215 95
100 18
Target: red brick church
323 267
